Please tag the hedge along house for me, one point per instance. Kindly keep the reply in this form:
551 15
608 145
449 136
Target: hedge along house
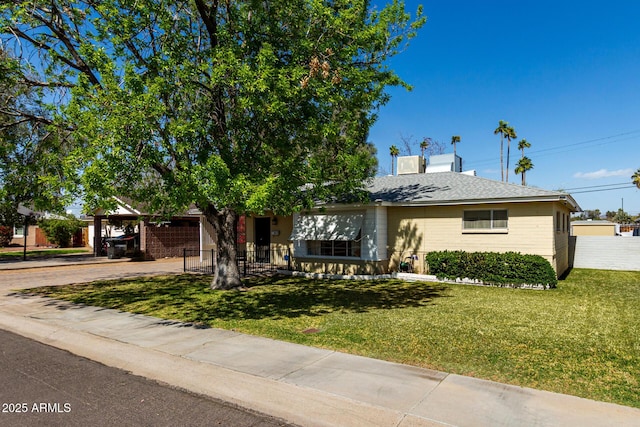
421 210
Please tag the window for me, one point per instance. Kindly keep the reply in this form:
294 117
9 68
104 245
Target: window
18 231
558 224
490 219
337 248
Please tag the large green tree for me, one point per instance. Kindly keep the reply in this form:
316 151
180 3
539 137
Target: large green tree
30 148
235 107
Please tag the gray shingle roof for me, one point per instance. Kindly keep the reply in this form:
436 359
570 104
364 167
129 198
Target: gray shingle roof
454 188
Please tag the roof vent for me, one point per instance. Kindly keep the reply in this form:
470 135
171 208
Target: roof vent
410 164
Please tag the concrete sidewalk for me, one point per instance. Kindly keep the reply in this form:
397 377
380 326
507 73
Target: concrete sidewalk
302 385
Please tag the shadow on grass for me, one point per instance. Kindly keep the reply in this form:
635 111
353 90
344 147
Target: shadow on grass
189 298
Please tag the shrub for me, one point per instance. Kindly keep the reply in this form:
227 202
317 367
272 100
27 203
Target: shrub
6 234
492 268
59 231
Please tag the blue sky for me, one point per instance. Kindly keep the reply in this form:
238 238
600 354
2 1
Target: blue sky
564 74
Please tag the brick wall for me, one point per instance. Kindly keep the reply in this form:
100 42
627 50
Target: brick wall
168 242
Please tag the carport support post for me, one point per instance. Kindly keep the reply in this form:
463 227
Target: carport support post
97 235
25 232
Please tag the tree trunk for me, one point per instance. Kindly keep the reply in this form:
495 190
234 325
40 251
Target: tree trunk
226 273
508 155
501 158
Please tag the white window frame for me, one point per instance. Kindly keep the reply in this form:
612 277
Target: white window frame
352 249
15 231
492 227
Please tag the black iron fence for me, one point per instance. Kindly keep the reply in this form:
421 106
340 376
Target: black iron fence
197 261
250 263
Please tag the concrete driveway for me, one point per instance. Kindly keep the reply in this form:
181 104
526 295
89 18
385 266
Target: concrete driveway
66 270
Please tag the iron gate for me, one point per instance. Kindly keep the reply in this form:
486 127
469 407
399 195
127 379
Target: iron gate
250 263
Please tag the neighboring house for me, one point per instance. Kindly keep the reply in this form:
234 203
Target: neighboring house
593 228
415 213
150 235
35 236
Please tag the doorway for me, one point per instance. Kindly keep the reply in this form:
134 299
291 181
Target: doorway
263 238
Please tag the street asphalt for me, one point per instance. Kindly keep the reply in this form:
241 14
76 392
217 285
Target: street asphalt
46 386
301 385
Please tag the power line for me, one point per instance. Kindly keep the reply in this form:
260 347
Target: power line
597 186
590 141
570 147
603 189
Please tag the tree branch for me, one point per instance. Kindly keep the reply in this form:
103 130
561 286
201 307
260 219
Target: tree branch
208 15
59 33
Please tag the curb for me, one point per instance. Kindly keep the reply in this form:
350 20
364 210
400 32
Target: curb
293 403
49 263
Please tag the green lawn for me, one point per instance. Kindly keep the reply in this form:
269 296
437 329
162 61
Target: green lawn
39 253
582 338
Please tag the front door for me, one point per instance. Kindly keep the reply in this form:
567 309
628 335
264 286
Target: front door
263 238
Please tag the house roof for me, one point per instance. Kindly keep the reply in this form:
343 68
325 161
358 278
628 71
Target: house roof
452 188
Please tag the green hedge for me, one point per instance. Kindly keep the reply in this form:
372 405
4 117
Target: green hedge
492 268
59 231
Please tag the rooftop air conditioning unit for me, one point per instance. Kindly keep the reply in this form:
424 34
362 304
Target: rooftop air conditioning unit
445 163
410 164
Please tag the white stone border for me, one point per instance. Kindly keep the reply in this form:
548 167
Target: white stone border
409 277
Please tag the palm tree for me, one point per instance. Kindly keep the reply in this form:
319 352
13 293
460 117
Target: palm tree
511 133
393 150
424 145
522 144
501 129
636 178
523 165
454 140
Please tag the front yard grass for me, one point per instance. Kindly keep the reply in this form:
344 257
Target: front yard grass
18 253
582 338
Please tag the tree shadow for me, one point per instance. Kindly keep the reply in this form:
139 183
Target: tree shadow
188 298
294 297
410 240
407 243
406 193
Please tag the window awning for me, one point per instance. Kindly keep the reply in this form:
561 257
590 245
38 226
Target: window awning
327 227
